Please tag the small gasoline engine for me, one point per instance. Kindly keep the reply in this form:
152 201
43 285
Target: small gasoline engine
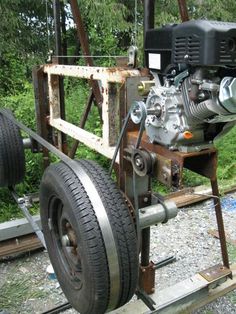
192 99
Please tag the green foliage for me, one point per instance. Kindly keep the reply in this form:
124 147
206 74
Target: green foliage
22 104
227 156
23 41
108 24
76 97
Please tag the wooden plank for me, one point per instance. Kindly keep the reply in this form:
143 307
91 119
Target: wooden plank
18 245
16 228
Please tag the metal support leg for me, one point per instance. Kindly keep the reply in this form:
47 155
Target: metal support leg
220 222
145 251
147 269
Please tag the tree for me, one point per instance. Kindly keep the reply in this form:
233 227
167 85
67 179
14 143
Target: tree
23 40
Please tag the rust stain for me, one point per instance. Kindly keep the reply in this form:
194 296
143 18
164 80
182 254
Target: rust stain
114 70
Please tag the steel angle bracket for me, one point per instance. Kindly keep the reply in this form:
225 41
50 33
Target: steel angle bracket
22 204
187 295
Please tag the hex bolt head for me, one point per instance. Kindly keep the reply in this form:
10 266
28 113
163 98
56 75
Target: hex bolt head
65 241
138 162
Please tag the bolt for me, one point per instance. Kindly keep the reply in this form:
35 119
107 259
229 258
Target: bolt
138 162
50 224
165 176
20 200
65 241
145 199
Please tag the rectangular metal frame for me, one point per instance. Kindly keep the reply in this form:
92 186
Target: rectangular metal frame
111 81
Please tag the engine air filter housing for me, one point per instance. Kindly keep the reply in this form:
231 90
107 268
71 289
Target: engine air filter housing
200 42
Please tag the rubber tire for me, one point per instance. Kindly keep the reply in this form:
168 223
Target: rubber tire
61 182
12 156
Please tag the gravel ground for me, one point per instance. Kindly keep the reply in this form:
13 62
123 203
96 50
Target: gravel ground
186 237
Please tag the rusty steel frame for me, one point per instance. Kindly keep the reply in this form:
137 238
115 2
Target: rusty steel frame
171 164
111 92
111 81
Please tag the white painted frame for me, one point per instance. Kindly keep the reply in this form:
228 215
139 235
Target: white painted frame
106 76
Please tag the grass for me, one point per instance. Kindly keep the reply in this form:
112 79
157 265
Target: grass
17 289
232 253
76 95
232 258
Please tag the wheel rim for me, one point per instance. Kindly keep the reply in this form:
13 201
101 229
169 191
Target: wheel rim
65 242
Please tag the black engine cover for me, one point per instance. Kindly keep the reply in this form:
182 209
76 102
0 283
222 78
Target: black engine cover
199 42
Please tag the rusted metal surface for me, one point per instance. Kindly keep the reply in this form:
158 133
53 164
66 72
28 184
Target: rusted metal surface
203 162
112 81
147 278
215 272
41 108
220 222
22 244
183 10
163 170
83 39
93 141
57 7
113 75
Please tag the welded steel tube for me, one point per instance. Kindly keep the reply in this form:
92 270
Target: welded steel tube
158 213
149 8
